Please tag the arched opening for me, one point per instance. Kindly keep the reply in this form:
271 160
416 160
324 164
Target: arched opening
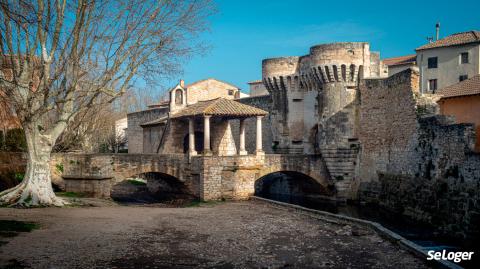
198 142
352 72
327 71
178 97
344 72
295 188
151 187
335 73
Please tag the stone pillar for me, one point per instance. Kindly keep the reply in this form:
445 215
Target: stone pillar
242 150
191 137
206 135
259 149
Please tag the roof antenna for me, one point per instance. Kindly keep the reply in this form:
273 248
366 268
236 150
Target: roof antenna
437 29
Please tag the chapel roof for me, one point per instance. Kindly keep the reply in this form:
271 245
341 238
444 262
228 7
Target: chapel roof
220 107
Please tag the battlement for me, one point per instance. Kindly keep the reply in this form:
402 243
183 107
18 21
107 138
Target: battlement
344 62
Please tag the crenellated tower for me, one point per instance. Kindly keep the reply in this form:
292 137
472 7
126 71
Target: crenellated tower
315 100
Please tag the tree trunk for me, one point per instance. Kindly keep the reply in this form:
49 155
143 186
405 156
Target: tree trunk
36 187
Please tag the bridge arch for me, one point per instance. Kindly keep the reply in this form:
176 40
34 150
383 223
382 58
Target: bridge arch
283 185
151 187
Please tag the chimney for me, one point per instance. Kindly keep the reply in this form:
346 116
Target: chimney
437 28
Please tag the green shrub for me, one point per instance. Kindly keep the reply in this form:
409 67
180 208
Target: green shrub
59 167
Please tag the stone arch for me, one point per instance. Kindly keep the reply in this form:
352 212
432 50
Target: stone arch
151 187
285 185
178 97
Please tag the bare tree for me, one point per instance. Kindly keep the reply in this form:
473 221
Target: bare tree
90 130
63 57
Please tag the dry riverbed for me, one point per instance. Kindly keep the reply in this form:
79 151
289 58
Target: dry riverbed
248 234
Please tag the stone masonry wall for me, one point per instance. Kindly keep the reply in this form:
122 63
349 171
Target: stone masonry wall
135 131
414 161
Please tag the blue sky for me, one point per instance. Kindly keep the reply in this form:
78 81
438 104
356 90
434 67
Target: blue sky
245 32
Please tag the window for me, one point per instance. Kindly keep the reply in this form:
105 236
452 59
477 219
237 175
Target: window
462 77
297 100
178 97
464 58
432 85
433 62
230 92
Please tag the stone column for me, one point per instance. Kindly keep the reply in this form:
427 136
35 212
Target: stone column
259 149
191 137
242 150
206 135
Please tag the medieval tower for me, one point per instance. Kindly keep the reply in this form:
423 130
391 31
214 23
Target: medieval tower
315 100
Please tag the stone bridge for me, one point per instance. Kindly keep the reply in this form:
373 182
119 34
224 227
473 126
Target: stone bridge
206 177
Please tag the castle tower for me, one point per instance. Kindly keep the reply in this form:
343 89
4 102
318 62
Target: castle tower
315 101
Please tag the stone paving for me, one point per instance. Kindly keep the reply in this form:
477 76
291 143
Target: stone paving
248 234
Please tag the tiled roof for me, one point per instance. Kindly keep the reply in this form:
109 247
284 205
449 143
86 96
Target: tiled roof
408 59
452 40
467 87
156 121
220 107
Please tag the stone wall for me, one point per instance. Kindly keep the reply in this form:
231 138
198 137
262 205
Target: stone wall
151 137
210 89
135 131
15 163
11 163
414 161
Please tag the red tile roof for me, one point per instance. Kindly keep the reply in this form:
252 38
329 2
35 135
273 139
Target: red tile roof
220 107
453 40
467 87
408 59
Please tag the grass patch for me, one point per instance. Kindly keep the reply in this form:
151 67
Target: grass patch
198 203
70 194
136 182
8 227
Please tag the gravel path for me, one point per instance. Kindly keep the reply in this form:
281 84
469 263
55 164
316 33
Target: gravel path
247 234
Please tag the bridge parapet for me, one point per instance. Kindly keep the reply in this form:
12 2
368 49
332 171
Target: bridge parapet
207 177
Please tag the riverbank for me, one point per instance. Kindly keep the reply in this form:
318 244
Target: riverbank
246 234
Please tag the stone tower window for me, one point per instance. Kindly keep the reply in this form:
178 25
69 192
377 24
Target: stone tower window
352 72
178 97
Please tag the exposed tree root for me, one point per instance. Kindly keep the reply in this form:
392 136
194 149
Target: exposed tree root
24 195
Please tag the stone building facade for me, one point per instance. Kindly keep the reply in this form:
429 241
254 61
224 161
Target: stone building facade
449 60
257 88
145 130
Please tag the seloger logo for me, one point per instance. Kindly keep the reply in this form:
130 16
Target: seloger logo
450 256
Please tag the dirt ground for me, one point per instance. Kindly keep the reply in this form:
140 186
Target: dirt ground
248 234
